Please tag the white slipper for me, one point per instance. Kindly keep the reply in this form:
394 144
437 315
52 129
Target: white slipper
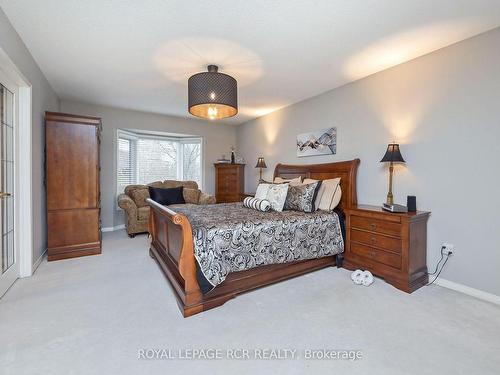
367 278
357 277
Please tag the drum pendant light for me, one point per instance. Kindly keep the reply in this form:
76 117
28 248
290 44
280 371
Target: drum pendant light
212 95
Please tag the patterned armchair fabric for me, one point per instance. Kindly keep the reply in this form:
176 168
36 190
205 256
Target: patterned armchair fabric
133 202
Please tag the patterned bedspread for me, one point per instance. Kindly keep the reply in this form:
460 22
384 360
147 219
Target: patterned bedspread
229 237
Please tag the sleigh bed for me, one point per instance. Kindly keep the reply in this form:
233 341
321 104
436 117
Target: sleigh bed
173 245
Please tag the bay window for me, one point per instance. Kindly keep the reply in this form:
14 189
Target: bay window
144 158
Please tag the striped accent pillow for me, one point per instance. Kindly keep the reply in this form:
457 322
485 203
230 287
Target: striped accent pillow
257 204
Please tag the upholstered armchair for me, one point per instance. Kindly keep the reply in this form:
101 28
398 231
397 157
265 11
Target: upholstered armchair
133 202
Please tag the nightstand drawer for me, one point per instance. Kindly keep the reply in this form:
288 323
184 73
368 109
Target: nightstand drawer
379 256
377 240
375 225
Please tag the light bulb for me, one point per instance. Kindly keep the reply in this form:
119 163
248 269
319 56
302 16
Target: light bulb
212 113
212 95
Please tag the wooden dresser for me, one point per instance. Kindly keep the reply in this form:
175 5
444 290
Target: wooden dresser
72 182
390 245
229 182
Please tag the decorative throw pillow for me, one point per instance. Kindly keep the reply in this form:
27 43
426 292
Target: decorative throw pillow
191 195
257 204
167 196
139 197
293 181
276 195
329 194
261 192
302 197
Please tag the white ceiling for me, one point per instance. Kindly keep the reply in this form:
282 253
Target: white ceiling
138 54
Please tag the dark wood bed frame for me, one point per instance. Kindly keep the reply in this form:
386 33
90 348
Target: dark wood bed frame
172 245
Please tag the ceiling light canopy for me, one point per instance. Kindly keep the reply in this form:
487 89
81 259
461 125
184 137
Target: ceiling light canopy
212 95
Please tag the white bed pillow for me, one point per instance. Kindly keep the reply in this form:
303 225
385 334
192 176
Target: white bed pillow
329 193
294 181
276 195
261 192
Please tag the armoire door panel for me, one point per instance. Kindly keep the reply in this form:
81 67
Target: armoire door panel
72 165
70 228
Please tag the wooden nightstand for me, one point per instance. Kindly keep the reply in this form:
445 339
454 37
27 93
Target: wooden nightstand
390 245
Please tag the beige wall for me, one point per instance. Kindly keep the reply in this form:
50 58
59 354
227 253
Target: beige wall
217 140
43 99
444 108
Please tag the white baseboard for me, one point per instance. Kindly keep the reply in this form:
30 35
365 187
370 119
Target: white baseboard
39 261
493 298
111 229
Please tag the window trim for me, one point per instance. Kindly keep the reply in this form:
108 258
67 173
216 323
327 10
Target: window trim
133 173
201 141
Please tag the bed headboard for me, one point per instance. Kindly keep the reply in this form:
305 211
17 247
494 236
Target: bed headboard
346 170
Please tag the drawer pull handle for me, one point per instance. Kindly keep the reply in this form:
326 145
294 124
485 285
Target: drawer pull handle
374 240
372 254
373 226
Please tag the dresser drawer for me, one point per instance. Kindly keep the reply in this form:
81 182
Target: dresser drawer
227 180
376 225
377 240
228 189
379 256
227 172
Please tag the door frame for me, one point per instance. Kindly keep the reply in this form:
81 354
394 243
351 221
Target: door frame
23 167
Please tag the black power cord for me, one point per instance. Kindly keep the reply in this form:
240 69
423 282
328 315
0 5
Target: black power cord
443 255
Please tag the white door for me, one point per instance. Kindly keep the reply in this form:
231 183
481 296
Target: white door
9 262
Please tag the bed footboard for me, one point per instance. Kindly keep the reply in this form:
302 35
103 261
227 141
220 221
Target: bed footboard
172 247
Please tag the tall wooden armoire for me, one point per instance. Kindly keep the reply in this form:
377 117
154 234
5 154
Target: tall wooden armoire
72 183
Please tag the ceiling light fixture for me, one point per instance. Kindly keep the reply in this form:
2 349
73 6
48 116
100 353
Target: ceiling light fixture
212 95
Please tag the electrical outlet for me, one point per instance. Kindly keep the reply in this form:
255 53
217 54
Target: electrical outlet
448 248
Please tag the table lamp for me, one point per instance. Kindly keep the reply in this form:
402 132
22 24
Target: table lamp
261 163
392 155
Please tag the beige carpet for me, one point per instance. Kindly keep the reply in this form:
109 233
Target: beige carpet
93 315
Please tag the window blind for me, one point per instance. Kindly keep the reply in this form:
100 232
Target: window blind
125 164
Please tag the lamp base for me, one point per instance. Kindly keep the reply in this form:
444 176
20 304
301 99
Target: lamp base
390 199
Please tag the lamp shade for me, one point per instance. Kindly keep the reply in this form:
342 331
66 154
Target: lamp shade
261 163
393 154
212 95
